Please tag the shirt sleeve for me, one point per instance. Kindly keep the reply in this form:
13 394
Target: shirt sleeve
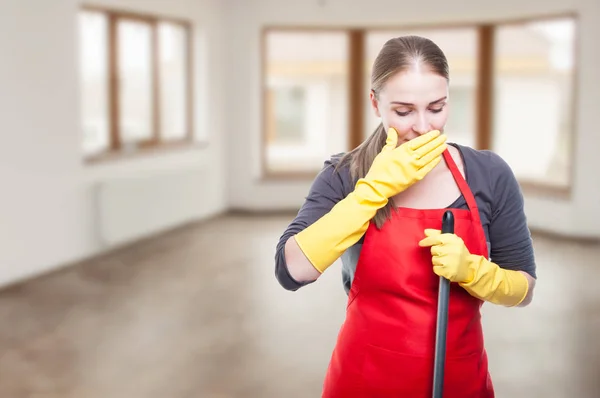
510 238
327 189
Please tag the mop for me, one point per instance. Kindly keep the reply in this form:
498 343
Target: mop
442 319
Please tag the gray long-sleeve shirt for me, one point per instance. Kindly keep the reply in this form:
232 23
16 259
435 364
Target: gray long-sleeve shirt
496 192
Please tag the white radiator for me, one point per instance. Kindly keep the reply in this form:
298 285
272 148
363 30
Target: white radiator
131 208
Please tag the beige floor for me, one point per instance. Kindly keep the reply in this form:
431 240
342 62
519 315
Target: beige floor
198 313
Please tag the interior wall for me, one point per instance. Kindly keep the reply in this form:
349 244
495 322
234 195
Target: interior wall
577 216
48 216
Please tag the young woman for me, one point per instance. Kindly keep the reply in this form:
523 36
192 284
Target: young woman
379 208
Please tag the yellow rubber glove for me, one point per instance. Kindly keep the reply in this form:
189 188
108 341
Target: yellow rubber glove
393 170
480 277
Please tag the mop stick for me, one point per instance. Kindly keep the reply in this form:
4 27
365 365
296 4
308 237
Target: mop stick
442 319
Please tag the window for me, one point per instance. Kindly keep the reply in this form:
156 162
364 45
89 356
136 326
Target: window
94 82
511 90
135 81
305 99
533 99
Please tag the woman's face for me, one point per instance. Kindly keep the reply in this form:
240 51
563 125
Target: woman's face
413 102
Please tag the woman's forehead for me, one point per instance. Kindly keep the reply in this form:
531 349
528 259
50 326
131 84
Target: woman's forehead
415 86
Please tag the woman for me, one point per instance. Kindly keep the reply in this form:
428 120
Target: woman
380 207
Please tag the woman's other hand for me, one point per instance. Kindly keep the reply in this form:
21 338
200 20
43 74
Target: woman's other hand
477 275
449 255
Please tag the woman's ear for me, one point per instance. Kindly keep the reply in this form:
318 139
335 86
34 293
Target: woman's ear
374 103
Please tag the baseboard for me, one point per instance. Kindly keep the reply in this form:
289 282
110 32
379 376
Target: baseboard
243 212
556 235
262 212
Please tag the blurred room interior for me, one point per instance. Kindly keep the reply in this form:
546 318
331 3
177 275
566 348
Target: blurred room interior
154 151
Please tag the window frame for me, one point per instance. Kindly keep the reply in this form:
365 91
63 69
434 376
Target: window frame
115 149
532 186
265 103
484 94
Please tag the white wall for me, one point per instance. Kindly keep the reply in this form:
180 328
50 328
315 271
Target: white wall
578 216
47 212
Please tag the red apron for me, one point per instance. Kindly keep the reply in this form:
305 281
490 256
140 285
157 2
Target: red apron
386 346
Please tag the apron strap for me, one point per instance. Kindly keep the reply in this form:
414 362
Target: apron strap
462 183
465 191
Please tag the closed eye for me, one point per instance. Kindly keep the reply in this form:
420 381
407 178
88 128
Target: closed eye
403 114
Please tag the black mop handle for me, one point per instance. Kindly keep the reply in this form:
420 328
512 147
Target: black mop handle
442 319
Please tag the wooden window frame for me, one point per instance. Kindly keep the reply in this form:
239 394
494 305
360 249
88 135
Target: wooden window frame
531 186
265 103
115 148
484 95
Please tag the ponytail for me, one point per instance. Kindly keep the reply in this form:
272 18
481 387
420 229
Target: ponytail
359 161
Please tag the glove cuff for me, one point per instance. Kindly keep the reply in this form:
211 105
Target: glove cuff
495 284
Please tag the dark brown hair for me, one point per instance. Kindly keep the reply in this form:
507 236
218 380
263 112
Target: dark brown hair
397 55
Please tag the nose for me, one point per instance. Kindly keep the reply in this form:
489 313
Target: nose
421 125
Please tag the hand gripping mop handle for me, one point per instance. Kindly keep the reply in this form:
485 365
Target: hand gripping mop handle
442 319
